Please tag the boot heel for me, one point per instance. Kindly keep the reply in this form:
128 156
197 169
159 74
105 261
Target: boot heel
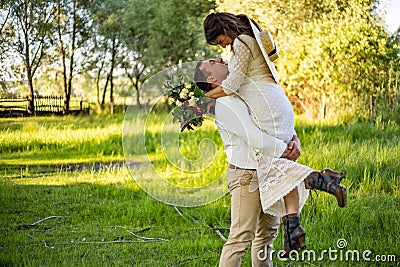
299 238
302 241
341 195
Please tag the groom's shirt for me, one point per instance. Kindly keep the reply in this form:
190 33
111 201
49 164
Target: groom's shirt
240 135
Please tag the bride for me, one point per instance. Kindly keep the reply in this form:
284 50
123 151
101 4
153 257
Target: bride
251 76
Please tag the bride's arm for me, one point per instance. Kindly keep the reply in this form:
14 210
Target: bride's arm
216 93
239 64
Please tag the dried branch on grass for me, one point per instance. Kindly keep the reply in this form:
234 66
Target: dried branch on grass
180 212
147 238
141 230
27 226
217 231
53 245
180 262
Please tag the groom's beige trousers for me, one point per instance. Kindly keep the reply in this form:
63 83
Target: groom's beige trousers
248 222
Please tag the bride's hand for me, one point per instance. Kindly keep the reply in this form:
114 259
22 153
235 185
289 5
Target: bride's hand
216 92
287 151
295 150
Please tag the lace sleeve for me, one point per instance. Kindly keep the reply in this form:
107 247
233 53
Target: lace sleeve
238 64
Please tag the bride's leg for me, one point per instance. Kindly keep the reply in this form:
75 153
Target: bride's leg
292 201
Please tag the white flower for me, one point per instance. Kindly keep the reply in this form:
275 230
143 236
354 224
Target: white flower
178 103
192 101
183 94
185 90
191 94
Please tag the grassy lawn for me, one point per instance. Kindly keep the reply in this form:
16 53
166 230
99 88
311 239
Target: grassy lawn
68 198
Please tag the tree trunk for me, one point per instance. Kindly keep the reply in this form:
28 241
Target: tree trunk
114 54
103 100
63 59
98 83
135 83
138 95
68 88
31 108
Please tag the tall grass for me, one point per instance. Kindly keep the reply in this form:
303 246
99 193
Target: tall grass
106 219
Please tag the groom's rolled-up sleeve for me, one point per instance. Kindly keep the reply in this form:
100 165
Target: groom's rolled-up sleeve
231 114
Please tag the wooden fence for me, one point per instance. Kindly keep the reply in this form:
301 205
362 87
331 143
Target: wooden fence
44 105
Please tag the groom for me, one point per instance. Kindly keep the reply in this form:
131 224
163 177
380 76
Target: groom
241 137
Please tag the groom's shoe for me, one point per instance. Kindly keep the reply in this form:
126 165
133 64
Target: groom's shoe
323 182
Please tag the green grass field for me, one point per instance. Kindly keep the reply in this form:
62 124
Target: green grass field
68 199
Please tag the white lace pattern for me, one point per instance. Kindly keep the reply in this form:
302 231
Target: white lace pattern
277 177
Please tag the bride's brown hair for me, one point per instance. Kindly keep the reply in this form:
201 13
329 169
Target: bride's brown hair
228 24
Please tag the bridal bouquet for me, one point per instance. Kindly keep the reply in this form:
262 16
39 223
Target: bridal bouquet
187 101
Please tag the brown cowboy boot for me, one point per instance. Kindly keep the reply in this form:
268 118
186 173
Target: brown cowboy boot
324 182
295 235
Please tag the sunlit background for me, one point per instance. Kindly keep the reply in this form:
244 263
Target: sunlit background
392 11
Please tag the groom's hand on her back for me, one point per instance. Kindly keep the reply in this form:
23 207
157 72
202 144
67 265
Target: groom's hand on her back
294 148
287 152
294 151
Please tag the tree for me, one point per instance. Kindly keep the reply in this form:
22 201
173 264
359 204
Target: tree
5 32
71 28
110 76
29 38
169 34
135 71
175 32
96 51
107 18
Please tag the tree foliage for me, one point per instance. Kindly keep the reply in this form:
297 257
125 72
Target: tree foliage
101 37
334 54
152 34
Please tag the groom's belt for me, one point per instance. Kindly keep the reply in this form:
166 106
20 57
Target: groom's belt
231 166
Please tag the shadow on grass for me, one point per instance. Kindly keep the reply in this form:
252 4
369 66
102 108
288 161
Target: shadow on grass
51 169
76 122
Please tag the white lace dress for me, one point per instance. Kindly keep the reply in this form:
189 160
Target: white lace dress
249 77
